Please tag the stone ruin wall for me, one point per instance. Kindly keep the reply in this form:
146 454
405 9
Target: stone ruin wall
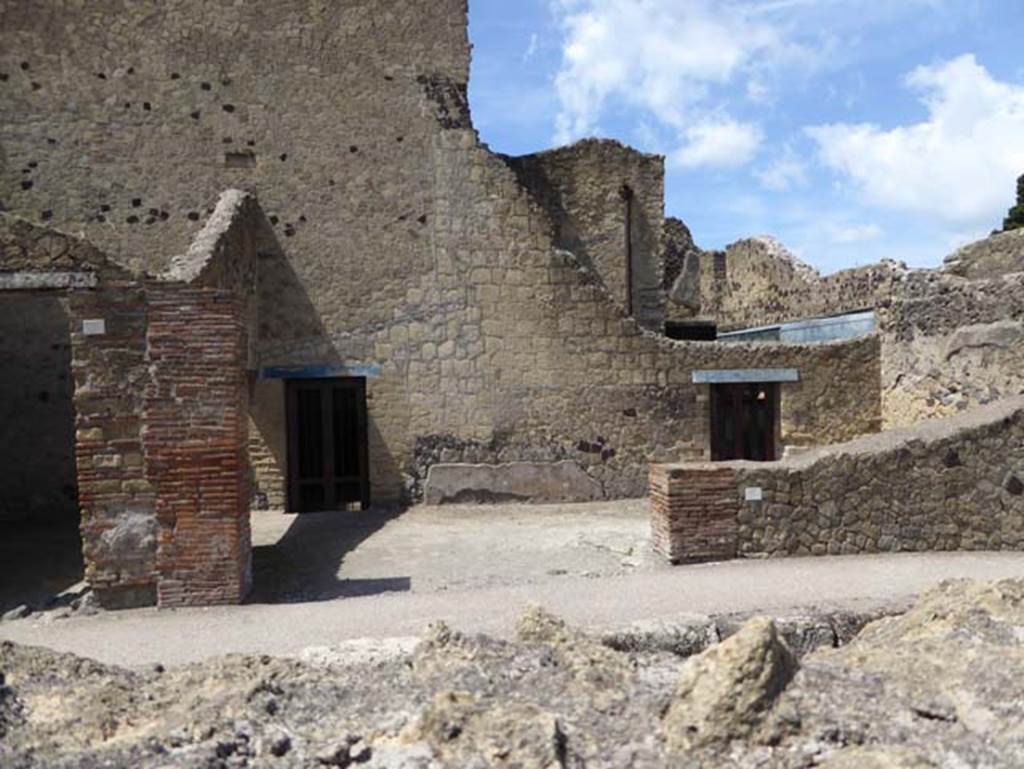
955 484
584 189
951 344
396 242
951 339
757 282
1000 254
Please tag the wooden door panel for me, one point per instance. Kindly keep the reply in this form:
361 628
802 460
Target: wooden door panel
327 444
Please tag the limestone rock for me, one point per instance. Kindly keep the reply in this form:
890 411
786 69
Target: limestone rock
724 692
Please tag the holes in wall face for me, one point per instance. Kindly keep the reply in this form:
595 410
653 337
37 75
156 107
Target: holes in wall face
193 216
4 77
27 184
132 219
46 215
136 202
422 219
147 106
721 270
175 76
284 156
51 141
194 115
101 75
229 108
35 86
105 207
205 86
24 66
131 70
289 231
353 149
250 143
274 220
239 160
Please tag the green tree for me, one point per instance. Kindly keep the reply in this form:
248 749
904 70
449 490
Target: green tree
1015 218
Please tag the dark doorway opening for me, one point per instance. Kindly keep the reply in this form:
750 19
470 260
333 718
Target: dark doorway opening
40 544
743 421
328 467
691 331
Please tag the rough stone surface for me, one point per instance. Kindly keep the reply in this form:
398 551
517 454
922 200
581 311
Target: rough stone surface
999 254
725 691
515 481
940 686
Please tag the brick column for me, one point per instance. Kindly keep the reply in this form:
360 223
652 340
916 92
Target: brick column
195 435
694 511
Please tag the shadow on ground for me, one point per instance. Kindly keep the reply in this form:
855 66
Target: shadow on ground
303 564
37 562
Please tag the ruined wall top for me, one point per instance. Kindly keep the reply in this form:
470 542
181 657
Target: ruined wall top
999 254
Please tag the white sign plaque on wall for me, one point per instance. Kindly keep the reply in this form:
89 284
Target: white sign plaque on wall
94 327
753 494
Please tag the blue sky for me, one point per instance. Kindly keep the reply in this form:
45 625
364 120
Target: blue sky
852 130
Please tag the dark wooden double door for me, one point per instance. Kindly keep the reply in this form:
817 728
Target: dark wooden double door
327 446
743 421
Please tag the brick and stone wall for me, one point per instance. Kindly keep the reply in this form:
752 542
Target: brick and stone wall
950 484
395 242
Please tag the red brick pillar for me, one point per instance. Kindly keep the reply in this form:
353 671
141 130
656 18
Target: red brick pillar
195 435
694 512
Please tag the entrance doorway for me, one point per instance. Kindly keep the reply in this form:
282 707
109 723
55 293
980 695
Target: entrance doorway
743 421
40 544
327 445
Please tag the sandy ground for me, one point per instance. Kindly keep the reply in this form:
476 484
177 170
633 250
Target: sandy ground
325 579
457 547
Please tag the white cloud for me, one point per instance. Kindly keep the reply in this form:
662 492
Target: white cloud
958 165
718 143
668 60
785 172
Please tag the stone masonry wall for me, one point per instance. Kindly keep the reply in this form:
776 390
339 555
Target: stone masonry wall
117 502
757 282
196 422
584 188
953 484
951 344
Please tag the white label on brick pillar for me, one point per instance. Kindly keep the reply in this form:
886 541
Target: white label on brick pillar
753 494
94 327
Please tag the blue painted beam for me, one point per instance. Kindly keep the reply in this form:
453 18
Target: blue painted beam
746 375
321 371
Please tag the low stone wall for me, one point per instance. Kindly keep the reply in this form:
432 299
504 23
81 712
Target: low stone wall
953 484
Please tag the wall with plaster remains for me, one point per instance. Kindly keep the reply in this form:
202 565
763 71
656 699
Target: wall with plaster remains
950 484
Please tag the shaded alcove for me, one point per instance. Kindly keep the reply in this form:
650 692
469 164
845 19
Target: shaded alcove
40 546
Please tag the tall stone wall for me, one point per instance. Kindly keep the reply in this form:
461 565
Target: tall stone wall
951 484
590 189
